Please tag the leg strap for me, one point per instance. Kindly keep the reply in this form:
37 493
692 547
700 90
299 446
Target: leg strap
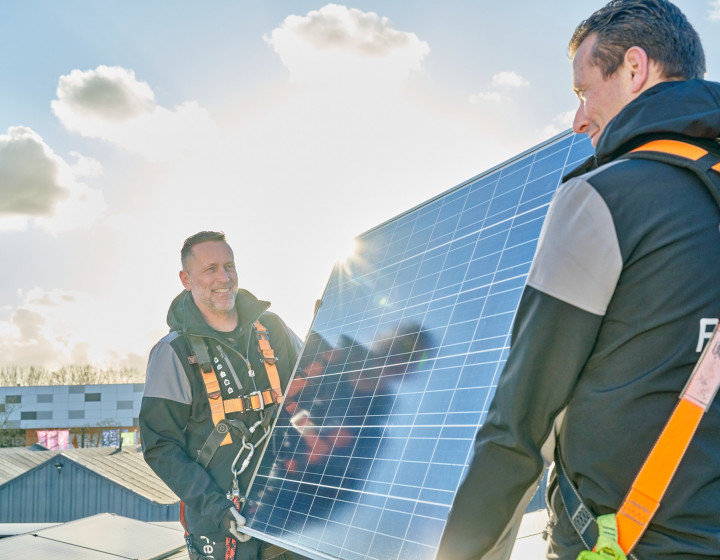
581 518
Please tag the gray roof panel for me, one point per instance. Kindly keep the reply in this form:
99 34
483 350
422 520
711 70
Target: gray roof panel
100 537
125 467
15 461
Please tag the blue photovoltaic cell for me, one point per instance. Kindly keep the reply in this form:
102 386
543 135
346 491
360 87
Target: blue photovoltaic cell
399 368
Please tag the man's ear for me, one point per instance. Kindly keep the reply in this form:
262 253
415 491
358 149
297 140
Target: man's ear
185 279
638 64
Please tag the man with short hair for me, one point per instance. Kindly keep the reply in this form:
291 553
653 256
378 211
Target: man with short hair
212 373
616 309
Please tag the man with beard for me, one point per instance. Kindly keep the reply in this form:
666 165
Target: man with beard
220 371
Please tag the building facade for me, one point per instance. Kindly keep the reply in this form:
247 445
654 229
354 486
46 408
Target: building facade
65 416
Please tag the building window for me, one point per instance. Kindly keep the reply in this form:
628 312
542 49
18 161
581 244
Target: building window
92 397
76 414
45 398
125 405
28 415
13 399
2 407
73 389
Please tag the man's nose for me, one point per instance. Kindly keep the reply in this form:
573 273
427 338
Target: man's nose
580 123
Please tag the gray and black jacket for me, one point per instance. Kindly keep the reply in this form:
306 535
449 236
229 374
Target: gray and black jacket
175 415
621 296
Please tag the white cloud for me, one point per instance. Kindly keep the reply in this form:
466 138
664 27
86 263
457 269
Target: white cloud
501 81
108 93
29 174
53 328
110 103
509 79
340 45
714 10
559 124
37 186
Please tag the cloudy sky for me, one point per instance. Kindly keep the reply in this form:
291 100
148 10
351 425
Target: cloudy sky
292 126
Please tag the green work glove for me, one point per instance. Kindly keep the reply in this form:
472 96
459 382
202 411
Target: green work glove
607 544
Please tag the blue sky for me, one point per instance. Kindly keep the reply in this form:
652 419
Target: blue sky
127 126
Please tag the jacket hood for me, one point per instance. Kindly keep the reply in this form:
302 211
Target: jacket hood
185 317
689 109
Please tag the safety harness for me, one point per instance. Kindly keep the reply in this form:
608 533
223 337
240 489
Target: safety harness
256 400
617 534
263 401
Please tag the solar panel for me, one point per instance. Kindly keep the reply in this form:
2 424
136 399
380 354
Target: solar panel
100 537
399 368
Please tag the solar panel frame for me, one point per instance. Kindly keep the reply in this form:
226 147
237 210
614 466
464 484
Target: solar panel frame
400 365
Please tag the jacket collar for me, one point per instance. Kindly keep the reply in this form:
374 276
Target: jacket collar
185 317
677 109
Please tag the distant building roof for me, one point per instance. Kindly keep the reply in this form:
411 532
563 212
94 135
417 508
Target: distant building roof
15 461
124 466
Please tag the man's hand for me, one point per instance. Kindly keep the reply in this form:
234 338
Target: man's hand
231 523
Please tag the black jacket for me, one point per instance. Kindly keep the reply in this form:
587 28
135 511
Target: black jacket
624 288
175 415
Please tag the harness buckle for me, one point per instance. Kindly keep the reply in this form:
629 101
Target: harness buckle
269 357
254 401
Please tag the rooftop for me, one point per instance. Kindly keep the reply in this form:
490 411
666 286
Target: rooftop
124 466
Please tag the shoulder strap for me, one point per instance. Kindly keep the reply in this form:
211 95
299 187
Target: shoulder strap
705 164
268 355
650 484
212 387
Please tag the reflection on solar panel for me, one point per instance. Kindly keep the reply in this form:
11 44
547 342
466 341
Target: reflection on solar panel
399 368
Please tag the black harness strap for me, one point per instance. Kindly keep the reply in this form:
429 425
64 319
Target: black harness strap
201 352
706 165
216 437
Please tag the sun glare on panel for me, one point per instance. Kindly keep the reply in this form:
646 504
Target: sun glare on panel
348 253
345 250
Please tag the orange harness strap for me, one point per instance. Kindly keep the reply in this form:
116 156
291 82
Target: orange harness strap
654 477
679 149
673 147
644 497
253 401
269 356
217 410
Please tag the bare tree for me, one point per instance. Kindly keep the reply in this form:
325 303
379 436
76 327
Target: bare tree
6 409
10 437
92 436
25 376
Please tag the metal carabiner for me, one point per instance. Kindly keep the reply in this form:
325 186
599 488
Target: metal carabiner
250 448
251 451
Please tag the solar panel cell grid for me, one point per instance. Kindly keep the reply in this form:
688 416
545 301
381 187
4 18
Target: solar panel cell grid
400 366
